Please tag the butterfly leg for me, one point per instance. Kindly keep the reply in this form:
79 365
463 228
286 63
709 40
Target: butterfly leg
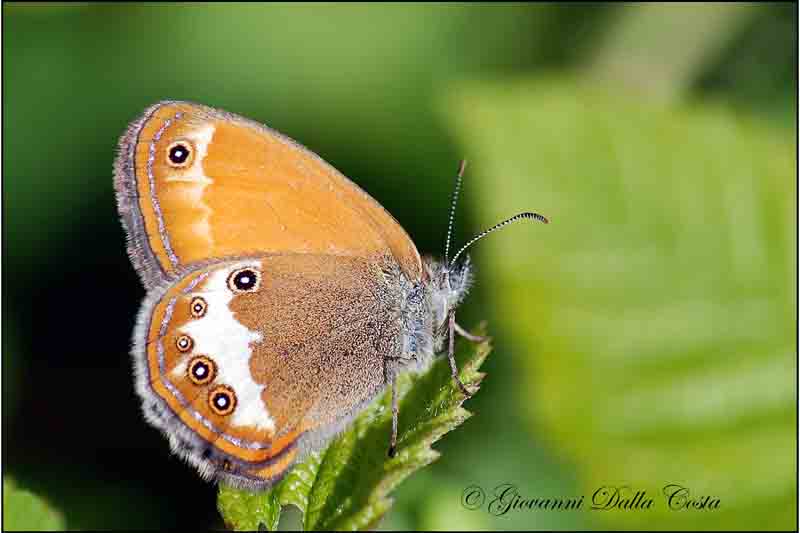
469 336
393 439
451 354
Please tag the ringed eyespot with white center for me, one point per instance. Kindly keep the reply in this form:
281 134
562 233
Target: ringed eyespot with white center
184 343
180 154
222 400
201 370
244 280
198 307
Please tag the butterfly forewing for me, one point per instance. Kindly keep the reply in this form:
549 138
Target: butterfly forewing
196 184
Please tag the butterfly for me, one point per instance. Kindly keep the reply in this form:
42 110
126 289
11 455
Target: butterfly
281 297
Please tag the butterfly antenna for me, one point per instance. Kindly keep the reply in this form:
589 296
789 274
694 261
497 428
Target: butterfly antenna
506 222
454 201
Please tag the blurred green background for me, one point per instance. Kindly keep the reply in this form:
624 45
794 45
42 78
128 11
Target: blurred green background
645 337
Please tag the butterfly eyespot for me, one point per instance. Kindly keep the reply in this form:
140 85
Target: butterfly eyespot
244 280
222 400
184 343
201 370
198 307
179 154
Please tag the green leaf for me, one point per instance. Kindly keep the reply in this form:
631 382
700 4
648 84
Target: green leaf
347 486
25 511
246 511
662 293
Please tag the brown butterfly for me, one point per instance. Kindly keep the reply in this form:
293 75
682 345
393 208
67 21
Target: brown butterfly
281 298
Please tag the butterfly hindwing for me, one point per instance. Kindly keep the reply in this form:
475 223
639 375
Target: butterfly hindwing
247 363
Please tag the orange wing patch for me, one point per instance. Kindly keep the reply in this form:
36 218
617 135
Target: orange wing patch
212 185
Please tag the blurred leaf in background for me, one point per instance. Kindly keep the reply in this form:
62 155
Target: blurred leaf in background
663 292
24 511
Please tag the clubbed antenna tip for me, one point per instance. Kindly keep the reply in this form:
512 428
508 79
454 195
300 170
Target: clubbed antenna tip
481 235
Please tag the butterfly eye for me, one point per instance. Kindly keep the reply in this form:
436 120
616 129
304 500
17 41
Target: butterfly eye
179 154
222 400
201 370
198 307
184 343
244 280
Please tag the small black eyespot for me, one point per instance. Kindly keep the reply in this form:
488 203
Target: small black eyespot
198 307
184 343
222 400
179 154
202 370
244 280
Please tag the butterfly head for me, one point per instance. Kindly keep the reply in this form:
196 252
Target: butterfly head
449 286
451 280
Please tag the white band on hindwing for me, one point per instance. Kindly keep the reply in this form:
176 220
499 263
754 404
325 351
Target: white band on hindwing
220 337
